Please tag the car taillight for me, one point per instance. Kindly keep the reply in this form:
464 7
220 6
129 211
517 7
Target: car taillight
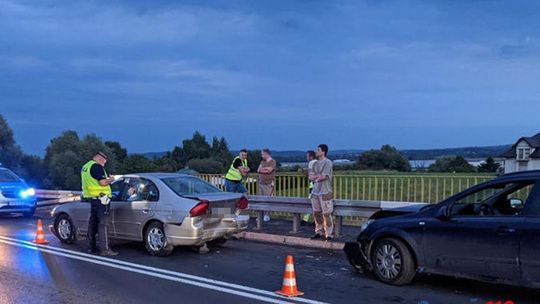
242 203
199 209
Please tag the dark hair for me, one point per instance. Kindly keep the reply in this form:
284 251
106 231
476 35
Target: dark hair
312 154
243 151
101 154
324 148
267 151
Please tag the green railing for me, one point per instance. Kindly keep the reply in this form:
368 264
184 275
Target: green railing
426 188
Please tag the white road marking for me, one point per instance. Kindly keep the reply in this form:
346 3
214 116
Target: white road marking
240 290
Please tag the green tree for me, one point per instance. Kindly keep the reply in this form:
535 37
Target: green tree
67 153
220 150
206 165
451 164
119 152
387 158
489 165
254 160
10 153
137 163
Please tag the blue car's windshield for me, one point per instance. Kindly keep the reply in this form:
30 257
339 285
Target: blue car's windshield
186 186
7 176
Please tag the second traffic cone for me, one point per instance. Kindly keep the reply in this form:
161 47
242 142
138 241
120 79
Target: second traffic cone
40 235
289 288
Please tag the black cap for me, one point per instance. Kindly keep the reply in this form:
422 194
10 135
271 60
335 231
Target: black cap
102 155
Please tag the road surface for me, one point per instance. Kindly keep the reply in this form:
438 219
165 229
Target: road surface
241 272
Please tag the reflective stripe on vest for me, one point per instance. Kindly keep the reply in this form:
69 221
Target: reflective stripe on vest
90 186
234 174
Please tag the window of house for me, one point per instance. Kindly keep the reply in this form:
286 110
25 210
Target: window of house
523 153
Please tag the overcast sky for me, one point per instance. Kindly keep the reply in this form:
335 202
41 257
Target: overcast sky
277 74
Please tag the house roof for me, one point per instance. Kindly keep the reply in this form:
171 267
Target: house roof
533 141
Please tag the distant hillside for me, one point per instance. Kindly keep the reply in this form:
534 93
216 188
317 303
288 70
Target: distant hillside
424 154
467 152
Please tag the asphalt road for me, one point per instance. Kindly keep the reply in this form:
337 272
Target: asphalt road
240 272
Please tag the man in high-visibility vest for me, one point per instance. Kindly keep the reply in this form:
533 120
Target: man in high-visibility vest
238 171
97 190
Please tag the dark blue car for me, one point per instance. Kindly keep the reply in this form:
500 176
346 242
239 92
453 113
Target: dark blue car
15 195
489 232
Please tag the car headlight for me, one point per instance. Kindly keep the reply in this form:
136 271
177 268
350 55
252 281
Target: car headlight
28 193
365 225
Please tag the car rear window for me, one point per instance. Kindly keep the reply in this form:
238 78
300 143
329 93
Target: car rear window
185 186
7 176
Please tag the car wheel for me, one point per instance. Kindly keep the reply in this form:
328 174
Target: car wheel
64 228
393 262
155 240
216 243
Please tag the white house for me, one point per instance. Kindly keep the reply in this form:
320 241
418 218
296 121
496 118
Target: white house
524 155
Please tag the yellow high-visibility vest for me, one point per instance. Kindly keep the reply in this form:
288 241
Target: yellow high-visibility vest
234 174
90 186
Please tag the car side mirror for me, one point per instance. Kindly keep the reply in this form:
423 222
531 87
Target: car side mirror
444 213
516 203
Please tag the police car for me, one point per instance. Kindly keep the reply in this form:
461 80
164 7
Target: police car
15 195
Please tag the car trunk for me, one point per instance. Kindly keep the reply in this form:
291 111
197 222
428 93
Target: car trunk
221 205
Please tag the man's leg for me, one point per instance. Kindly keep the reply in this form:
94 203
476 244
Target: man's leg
318 216
92 227
267 190
103 231
229 187
328 209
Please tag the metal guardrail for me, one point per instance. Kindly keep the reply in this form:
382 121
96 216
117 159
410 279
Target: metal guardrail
299 206
294 205
56 197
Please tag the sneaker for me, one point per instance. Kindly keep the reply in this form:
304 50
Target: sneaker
316 236
329 238
267 218
92 251
108 253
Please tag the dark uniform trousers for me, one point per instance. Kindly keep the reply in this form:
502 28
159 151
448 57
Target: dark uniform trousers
99 219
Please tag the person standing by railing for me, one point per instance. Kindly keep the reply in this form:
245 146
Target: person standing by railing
237 172
267 177
322 195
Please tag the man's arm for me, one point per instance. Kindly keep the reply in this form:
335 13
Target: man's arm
97 172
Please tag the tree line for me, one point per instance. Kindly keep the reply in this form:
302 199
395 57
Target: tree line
66 153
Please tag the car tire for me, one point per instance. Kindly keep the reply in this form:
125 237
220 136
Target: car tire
64 229
393 262
155 240
217 243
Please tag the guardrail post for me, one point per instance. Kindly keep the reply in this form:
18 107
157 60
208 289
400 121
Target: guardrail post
260 215
295 222
339 225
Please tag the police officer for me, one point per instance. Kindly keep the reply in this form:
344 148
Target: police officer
97 190
236 174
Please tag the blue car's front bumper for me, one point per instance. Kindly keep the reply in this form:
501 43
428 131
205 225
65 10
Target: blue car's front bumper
14 206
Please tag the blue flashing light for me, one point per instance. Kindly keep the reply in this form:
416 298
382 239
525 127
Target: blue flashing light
27 193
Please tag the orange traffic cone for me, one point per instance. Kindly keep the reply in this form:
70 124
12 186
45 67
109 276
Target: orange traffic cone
40 236
288 288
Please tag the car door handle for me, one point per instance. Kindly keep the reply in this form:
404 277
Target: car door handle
505 229
145 210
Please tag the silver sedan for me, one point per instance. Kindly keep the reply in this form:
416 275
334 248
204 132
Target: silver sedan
163 210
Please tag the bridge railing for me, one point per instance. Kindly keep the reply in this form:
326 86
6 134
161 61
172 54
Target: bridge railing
426 188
